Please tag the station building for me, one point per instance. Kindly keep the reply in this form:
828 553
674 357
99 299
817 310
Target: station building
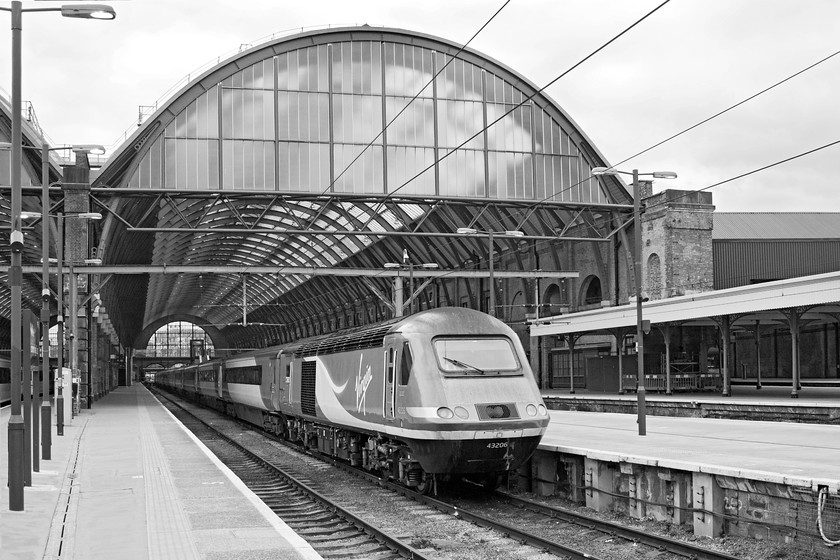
338 177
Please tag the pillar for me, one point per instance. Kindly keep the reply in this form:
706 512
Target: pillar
599 477
725 347
708 506
635 493
544 469
76 187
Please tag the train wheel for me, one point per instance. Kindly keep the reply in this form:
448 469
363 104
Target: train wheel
426 484
283 429
493 481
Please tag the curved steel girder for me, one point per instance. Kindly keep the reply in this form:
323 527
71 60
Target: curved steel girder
271 297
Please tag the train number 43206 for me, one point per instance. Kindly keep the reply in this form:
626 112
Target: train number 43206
497 445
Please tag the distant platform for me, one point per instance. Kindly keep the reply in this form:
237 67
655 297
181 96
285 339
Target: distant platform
813 405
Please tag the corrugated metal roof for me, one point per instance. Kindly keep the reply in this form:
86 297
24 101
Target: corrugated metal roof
776 225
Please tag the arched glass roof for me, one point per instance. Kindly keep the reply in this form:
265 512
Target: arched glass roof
282 147
310 119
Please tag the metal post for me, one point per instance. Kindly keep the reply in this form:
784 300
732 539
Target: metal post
59 399
30 405
410 288
16 428
74 348
46 410
640 335
90 357
492 309
758 354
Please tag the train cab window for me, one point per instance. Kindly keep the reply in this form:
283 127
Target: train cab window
391 365
288 372
476 356
406 361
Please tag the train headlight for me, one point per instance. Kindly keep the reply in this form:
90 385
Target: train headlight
542 410
531 410
462 412
444 413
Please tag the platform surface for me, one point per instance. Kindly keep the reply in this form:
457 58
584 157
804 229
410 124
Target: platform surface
127 481
781 452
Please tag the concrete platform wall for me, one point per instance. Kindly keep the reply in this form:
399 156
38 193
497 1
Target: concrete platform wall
709 505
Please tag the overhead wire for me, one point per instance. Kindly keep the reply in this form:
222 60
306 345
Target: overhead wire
704 121
416 95
489 125
692 127
512 109
672 137
526 100
731 107
742 175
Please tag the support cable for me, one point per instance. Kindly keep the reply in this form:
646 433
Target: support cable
820 506
524 101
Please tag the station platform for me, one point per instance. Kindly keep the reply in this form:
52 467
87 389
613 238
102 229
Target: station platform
769 480
127 481
813 405
803 455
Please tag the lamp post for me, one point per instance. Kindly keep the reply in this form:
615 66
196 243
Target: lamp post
46 410
491 310
637 273
407 265
16 434
59 398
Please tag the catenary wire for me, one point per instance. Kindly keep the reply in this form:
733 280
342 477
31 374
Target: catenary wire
750 98
704 121
521 103
413 99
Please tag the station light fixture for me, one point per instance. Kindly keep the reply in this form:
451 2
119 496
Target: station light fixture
490 249
88 11
640 323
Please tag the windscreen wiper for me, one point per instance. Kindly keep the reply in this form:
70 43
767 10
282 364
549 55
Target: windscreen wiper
461 364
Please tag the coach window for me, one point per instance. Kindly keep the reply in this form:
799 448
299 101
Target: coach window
406 362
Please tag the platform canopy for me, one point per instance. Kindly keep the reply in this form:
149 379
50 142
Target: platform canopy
816 299
247 200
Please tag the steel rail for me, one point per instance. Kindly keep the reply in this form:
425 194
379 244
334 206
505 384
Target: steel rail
659 542
508 531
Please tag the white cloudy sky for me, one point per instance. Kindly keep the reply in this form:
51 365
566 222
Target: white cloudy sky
688 61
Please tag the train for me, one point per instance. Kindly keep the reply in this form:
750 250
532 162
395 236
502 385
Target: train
441 394
6 379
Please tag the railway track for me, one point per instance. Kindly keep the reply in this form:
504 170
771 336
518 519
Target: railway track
499 525
609 529
494 511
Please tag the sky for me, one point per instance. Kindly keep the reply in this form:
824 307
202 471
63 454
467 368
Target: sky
688 61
